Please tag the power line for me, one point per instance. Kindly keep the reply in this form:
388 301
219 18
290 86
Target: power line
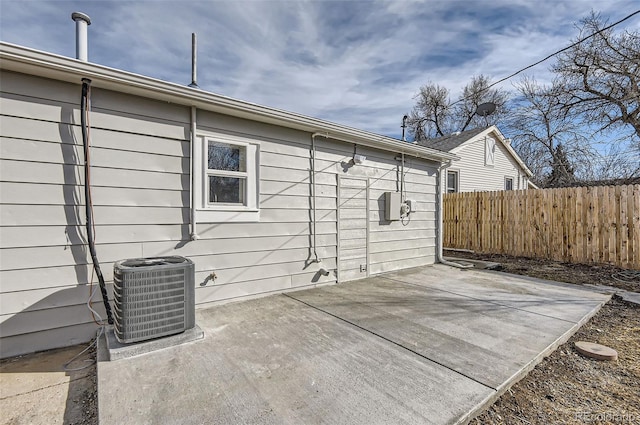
553 54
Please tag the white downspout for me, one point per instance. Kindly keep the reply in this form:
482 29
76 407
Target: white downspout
439 230
192 182
402 197
321 267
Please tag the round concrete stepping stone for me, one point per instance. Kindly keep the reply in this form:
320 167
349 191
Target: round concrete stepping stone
596 351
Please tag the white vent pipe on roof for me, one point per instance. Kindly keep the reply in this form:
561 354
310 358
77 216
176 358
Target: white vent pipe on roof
82 46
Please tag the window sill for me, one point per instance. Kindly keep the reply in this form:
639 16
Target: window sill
227 216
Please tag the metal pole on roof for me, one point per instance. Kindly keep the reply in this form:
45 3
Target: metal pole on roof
194 61
404 125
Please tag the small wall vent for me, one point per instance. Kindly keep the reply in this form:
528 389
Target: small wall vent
153 297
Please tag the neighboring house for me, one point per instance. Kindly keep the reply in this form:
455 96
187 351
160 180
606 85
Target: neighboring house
180 171
487 162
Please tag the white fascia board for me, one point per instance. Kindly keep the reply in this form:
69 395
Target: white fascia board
34 62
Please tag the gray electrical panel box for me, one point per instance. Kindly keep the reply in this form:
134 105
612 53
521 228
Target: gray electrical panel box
392 206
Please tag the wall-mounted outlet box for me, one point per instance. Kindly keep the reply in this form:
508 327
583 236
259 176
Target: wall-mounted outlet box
392 206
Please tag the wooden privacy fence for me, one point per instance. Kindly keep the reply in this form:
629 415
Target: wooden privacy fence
598 224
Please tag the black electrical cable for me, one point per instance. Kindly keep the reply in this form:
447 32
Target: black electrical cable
87 198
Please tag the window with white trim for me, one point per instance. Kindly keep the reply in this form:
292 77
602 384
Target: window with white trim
229 188
226 173
452 181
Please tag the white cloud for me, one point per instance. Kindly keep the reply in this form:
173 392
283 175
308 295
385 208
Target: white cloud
357 63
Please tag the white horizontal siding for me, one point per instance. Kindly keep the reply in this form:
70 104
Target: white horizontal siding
48 338
43 215
47 131
51 152
41 172
475 176
43 236
49 274
140 179
409 242
353 230
55 194
406 262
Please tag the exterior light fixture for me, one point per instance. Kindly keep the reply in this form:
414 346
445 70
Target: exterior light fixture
359 159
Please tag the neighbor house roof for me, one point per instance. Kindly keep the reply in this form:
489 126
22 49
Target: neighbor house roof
453 143
447 143
48 65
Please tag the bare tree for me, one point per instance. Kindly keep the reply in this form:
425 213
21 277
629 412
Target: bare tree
601 75
548 140
613 162
434 115
431 116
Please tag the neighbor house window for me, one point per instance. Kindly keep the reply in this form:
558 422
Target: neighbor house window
452 181
228 190
508 183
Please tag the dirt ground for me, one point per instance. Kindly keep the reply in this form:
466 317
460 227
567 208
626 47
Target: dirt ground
567 388
580 274
87 401
49 388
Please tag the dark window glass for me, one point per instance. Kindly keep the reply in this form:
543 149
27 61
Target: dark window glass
452 182
226 157
508 184
227 190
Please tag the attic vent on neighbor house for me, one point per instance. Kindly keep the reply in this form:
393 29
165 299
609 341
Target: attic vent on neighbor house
153 297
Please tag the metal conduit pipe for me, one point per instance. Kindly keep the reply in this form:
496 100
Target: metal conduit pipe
322 269
192 182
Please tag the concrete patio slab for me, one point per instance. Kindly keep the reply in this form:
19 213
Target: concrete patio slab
558 300
429 345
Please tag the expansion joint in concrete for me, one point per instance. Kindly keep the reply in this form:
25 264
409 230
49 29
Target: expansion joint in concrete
389 340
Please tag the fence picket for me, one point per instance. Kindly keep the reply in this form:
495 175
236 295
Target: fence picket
578 225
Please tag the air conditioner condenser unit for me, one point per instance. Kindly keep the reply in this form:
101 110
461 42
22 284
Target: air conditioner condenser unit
153 297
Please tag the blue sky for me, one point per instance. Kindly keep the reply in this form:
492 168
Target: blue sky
358 63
